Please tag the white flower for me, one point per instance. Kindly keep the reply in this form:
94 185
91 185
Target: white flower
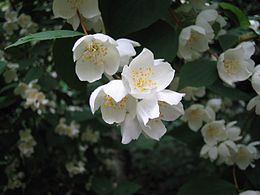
214 132
250 192
254 102
75 168
196 114
68 9
233 132
246 155
207 18
126 50
145 76
71 130
24 20
192 42
90 135
256 79
114 101
191 93
94 55
154 128
208 151
215 104
235 64
26 143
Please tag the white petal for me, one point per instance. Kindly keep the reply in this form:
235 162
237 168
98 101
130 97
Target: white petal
63 9
144 59
249 48
105 38
130 130
80 45
112 114
213 153
74 21
89 8
170 97
171 113
96 98
116 90
195 125
87 71
147 109
163 75
112 60
250 192
154 129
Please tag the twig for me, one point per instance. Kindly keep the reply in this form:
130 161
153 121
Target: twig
82 23
175 18
235 178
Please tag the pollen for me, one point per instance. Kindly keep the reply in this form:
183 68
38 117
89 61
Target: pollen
212 131
95 52
141 78
110 103
195 114
230 66
194 36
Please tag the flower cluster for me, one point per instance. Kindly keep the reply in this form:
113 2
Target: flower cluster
35 99
71 130
138 101
26 143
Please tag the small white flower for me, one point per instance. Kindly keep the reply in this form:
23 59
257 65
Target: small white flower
250 192
26 143
246 155
197 114
68 9
208 151
235 64
94 55
191 93
126 50
71 130
254 102
207 18
145 76
90 136
256 79
214 132
114 101
75 168
233 132
215 104
193 42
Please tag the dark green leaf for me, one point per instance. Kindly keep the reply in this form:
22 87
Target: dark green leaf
102 186
64 65
232 93
126 188
241 17
81 116
161 38
126 16
6 101
198 73
228 41
207 186
34 73
47 82
2 67
47 35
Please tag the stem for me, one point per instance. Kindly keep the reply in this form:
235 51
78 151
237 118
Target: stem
82 23
175 18
235 178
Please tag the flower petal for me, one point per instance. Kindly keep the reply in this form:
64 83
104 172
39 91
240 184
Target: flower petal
74 21
112 114
171 112
96 98
170 97
116 90
87 71
63 9
154 129
89 8
130 130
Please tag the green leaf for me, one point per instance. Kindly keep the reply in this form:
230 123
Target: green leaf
228 41
126 188
6 101
207 186
198 73
81 116
102 186
48 83
122 17
2 67
34 73
232 93
47 35
241 17
64 65
161 38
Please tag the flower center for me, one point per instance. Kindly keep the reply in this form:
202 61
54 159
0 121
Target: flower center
212 131
229 66
109 102
75 3
193 38
195 114
95 52
141 78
